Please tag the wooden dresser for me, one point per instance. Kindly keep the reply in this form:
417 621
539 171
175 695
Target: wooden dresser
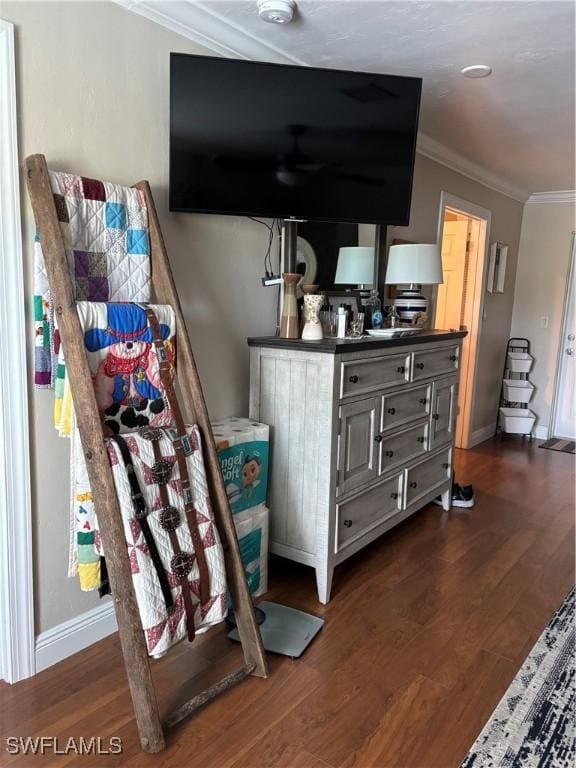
361 437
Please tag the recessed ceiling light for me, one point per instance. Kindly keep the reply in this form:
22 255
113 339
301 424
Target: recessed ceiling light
276 11
477 70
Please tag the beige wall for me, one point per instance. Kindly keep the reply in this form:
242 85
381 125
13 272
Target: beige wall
430 179
541 278
93 97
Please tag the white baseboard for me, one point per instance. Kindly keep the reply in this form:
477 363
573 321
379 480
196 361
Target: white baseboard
479 435
74 635
541 432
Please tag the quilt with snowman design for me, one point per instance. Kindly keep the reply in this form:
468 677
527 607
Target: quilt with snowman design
125 371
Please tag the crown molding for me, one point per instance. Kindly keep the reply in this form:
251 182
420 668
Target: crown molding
210 29
207 27
440 153
558 196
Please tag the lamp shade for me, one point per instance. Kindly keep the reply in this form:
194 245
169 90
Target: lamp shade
355 266
414 263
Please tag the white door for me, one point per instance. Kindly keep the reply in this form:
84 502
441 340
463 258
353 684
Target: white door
449 299
564 421
455 303
469 239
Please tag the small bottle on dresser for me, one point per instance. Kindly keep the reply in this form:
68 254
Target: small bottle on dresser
374 309
342 318
393 318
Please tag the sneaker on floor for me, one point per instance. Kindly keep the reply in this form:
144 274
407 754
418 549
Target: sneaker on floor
462 496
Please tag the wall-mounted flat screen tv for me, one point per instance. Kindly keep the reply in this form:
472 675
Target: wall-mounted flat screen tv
256 139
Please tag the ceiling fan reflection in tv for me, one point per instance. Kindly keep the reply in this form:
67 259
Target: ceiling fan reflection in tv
294 168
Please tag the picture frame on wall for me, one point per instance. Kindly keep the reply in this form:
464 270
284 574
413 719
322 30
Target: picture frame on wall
497 267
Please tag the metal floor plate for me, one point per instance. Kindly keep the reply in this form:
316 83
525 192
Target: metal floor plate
285 630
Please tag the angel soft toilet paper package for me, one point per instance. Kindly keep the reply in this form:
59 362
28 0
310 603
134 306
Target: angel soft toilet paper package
242 446
252 531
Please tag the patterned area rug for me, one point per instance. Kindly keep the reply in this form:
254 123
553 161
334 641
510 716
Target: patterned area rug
533 725
558 444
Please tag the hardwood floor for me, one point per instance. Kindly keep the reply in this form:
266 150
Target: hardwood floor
425 631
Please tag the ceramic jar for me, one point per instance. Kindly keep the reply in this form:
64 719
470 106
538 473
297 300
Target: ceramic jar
289 328
312 330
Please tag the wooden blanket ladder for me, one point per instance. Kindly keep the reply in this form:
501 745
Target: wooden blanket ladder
150 727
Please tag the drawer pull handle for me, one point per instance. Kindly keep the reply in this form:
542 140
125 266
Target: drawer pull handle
392 411
413 485
353 379
435 416
389 454
394 496
378 438
420 439
445 465
348 523
420 366
401 369
423 401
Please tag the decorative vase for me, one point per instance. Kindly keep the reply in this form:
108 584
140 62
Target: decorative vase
312 330
289 321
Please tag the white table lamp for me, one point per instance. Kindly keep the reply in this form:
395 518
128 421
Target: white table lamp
355 266
413 265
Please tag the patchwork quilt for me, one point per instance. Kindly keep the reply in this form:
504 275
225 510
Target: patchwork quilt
83 559
163 627
105 232
44 355
130 395
63 404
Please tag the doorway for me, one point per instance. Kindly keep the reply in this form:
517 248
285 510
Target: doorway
563 423
463 231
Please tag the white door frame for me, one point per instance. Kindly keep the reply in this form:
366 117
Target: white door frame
563 329
448 200
16 585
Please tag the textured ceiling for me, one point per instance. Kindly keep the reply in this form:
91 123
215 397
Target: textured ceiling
518 123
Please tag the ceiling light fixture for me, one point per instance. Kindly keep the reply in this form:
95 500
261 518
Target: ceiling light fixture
276 11
477 70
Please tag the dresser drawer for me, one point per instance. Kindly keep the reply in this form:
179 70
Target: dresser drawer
402 407
435 362
359 376
359 514
403 447
427 475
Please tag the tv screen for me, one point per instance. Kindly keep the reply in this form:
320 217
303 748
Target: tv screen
278 141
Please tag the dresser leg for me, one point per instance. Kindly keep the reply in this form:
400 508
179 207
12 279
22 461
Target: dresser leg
324 583
446 500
